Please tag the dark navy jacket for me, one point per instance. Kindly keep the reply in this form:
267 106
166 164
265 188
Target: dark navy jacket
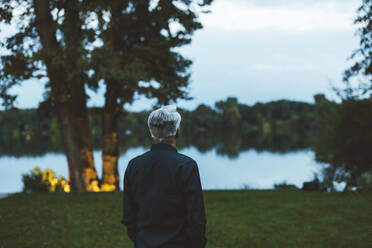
163 200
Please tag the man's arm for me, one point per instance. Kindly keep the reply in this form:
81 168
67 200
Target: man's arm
196 219
129 209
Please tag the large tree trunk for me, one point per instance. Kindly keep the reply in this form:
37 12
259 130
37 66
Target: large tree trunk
76 141
68 95
110 113
110 139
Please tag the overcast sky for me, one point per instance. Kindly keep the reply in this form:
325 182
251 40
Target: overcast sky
258 51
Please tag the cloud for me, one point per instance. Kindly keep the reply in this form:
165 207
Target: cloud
297 16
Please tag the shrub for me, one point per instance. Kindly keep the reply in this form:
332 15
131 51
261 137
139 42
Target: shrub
285 186
44 181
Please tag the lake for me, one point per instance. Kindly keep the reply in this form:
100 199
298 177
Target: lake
251 169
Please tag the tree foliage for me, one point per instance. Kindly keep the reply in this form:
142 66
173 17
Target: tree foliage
138 55
125 42
27 57
363 55
344 139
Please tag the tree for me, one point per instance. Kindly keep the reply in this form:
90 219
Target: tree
230 112
344 139
363 66
50 43
343 131
140 59
129 45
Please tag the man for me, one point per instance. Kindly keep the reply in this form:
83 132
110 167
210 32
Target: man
163 199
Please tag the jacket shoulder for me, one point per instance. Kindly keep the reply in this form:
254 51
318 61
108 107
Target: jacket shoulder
138 159
186 160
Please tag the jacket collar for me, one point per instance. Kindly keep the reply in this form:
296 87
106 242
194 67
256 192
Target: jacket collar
163 146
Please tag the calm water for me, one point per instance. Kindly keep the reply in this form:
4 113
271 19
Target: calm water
252 169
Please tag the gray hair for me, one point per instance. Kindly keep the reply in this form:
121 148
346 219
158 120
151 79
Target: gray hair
164 122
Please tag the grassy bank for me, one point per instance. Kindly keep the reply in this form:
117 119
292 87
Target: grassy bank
235 219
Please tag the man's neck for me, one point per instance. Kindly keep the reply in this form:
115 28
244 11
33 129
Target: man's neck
172 142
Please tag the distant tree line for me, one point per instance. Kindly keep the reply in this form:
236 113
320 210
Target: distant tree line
229 126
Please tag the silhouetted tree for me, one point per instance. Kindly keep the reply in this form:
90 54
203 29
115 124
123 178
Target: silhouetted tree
51 42
363 55
138 57
344 138
230 114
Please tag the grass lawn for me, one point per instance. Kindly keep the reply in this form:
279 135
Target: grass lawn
235 219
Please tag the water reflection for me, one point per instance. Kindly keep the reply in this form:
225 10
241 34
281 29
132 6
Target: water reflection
250 169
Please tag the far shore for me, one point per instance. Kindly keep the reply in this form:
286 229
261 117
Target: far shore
3 195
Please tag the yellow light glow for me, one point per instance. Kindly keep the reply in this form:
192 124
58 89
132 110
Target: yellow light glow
95 187
108 187
66 188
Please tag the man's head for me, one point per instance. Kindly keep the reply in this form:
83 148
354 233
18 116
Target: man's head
164 123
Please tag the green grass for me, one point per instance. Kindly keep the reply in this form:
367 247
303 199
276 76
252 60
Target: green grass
235 219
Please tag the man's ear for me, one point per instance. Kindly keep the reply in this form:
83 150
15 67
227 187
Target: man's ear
178 132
